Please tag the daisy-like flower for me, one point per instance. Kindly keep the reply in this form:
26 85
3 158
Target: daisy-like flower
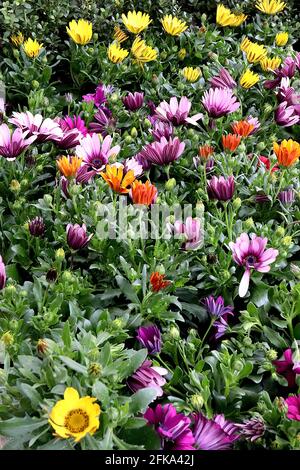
80 32
158 281
32 48
76 122
136 22
37 227
95 152
2 274
226 18
286 116
219 313
219 102
221 188
162 129
245 44
13 144
255 52
249 79
148 376
282 38
192 232
119 35
206 151
77 237
251 253
173 25
191 74
213 434
243 128
143 193
149 337
133 101
288 367
117 178
104 122
69 166
141 52
252 429
74 416
268 63
287 152
36 125
223 80
17 39
270 7
176 112
116 53
231 142
293 404
162 152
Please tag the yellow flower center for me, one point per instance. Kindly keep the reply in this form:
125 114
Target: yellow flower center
76 421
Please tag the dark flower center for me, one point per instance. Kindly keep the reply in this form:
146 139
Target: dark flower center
250 261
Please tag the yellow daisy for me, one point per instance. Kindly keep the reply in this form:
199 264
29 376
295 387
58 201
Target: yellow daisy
32 48
80 32
268 63
255 52
270 7
119 35
281 38
191 74
173 25
116 53
136 22
141 52
249 79
17 39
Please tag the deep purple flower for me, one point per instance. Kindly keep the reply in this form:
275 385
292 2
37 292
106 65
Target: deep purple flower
162 129
151 106
133 101
293 404
223 80
69 140
213 434
287 69
287 367
76 122
37 227
216 308
150 338
2 274
13 144
251 253
64 184
162 152
176 112
94 153
36 125
285 115
173 428
261 198
221 188
192 231
220 101
252 429
287 196
99 97
77 237
148 376
104 124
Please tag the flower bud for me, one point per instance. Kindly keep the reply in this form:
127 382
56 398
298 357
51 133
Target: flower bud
295 270
15 186
60 254
95 36
271 355
287 241
170 184
249 223
114 97
42 346
128 139
197 401
134 132
181 54
174 332
7 338
147 123
35 84
237 202
47 199
118 323
280 231
94 369
261 146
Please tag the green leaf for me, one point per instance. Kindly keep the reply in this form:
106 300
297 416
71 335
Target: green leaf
66 335
17 427
127 289
73 365
32 394
134 362
141 399
101 392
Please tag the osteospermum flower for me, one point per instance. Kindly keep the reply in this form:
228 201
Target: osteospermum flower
77 237
37 227
226 18
219 314
173 25
149 337
287 367
2 274
32 48
136 22
223 80
286 116
74 416
162 152
95 153
255 52
133 101
252 429
176 112
287 152
76 122
158 281
282 38
191 230
141 52
213 434
245 44
293 404
221 188
119 35
243 128
270 7
231 142
219 102
116 53
249 79
36 125
270 64
206 151
13 144
251 253
17 39
69 166
191 74
117 178
80 32
143 193
148 376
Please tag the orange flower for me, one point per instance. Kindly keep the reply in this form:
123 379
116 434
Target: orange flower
242 128
287 152
114 176
231 141
69 166
158 281
143 193
205 151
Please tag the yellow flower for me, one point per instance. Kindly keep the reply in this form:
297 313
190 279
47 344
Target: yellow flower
249 79
17 39
116 54
245 44
173 25
136 22
115 178
270 64
119 35
80 32
255 52
191 74
32 48
271 7
282 38
74 416
69 166
226 18
141 52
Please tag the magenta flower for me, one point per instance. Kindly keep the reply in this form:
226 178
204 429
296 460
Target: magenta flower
37 227
76 122
162 152
133 101
213 434
69 140
148 376
287 69
220 101
43 129
251 253
94 153
162 129
285 115
150 338
223 80
287 196
221 188
293 404
192 231
105 123
99 97
287 367
77 237
176 113
13 144
173 428
287 93
252 429
2 274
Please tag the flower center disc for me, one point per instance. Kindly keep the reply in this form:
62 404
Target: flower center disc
250 261
76 421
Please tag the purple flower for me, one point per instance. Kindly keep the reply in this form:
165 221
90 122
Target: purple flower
176 113
251 253
2 274
252 429
287 196
287 367
287 69
192 231
12 145
162 129
43 129
217 309
213 434
133 101
104 124
134 165
148 376
77 237
255 122
76 122
150 338
287 93
223 80
220 101
285 115
151 106
173 428
162 152
37 227
99 97
94 153
293 404
221 188
69 139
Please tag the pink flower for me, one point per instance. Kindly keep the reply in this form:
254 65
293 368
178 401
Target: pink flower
2 274
251 253
76 122
223 80
36 125
285 115
213 434
162 152
148 376
192 231
12 145
221 188
77 237
293 403
287 367
220 101
94 153
176 113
